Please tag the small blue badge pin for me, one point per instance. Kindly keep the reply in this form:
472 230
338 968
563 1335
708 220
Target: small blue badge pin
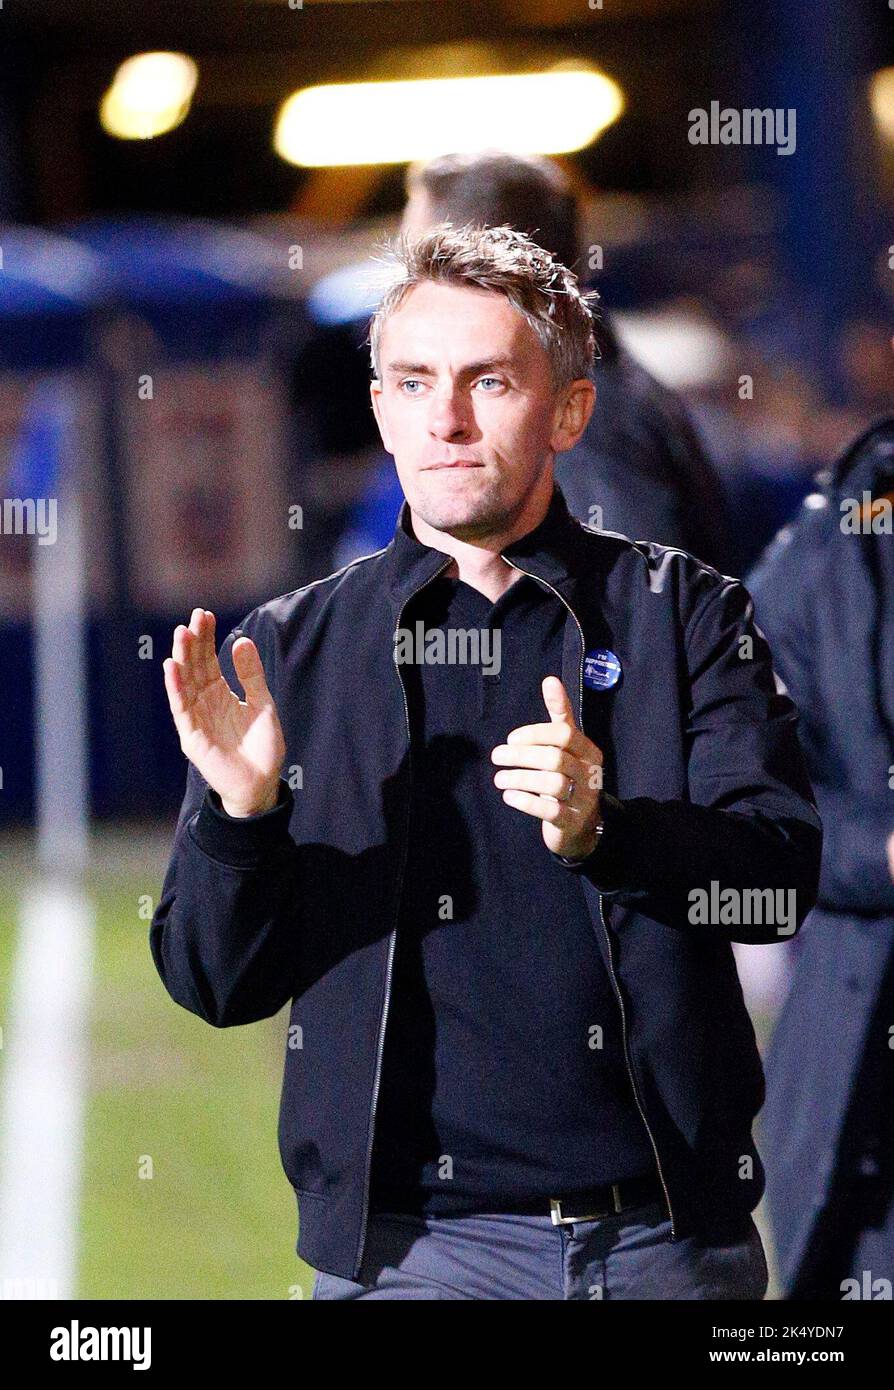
602 669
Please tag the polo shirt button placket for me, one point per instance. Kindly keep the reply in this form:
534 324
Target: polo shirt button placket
490 688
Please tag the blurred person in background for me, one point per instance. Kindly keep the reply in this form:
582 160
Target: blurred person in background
771 460
866 364
640 468
824 597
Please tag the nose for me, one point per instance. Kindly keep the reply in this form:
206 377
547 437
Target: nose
451 416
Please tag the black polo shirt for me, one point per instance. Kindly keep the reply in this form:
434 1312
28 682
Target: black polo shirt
503 1076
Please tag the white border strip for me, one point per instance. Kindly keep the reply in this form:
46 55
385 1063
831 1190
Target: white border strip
44 1077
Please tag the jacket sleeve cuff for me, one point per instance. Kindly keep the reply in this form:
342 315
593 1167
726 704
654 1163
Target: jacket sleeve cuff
242 841
605 866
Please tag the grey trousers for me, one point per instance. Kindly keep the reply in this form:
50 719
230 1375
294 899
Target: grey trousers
501 1256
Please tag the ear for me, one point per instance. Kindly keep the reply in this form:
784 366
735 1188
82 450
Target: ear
375 391
573 411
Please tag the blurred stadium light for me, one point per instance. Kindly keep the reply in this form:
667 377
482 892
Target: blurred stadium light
682 349
151 93
881 101
552 112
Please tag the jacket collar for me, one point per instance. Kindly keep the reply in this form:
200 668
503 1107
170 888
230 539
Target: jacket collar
547 551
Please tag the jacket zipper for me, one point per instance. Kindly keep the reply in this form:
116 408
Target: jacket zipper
380 1043
608 944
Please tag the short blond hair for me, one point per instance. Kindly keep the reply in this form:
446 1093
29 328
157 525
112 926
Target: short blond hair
506 262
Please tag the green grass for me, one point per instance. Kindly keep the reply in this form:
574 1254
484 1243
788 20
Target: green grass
197 1108
9 904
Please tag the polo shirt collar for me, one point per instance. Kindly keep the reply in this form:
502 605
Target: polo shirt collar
545 551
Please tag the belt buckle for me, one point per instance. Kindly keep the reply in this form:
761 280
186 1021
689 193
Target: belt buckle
558 1219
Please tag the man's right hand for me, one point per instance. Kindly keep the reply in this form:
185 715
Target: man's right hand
236 745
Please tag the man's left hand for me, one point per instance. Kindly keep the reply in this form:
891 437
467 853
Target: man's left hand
554 772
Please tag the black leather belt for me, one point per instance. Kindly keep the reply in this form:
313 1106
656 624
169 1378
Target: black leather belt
607 1200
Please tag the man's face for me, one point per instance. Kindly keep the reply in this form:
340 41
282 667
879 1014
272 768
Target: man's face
465 382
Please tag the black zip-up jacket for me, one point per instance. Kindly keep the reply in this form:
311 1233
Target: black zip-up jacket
704 783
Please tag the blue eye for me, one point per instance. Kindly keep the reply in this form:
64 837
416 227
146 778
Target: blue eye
410 381
491 378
